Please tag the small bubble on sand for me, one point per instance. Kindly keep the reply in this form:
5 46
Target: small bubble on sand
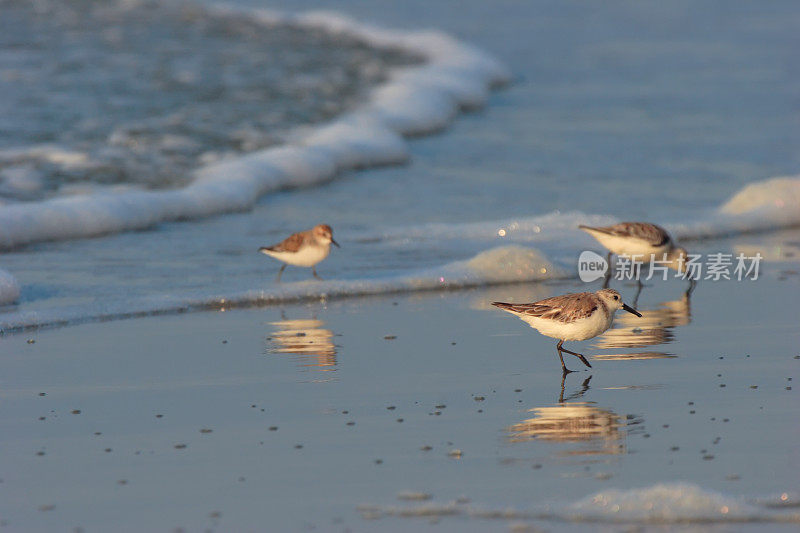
414 496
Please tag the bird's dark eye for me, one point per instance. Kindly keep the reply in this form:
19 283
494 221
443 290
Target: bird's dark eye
616 297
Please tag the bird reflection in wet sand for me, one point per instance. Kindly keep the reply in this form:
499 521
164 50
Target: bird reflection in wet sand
600 431
308 339
655 327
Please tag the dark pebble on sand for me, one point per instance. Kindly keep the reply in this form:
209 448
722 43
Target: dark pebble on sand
42 394
351 423
206 430
273 428
378 461
441 406
390 337
107 450
159 416
31 341
76 411
180 446
400 420
426 448
391 408
479 398
298 446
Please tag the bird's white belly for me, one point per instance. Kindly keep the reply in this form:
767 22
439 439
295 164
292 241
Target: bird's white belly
307 256
579 330
628 246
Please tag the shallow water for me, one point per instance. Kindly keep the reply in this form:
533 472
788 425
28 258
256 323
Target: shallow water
219 420
142 93
614 112
585 92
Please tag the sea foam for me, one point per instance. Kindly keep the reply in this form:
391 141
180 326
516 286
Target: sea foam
9 288
526 249
414 100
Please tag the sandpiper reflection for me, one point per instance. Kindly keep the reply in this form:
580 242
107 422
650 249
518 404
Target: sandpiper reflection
599 431
307 339
655 327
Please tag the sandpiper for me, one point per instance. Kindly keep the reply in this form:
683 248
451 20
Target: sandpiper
639 240
305 249
571 317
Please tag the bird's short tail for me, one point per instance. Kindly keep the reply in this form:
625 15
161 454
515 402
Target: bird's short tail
503 305
590 229
265 249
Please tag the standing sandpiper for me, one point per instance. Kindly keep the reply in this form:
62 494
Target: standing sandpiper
639 240
571 317
305 249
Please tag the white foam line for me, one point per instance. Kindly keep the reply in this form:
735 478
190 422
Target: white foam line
415 100
500 265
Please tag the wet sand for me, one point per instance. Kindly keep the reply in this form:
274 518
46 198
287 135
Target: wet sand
346 415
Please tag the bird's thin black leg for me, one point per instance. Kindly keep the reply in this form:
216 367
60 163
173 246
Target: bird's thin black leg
576 354
692 285
635 303
564 369
607 277
280 272
314 271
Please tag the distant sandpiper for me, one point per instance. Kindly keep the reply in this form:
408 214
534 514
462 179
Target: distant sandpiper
640 240
304 249
571 317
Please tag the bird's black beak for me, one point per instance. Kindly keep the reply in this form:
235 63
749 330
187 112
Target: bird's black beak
631 310
334 242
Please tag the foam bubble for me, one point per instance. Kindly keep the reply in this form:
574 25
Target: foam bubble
9 288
